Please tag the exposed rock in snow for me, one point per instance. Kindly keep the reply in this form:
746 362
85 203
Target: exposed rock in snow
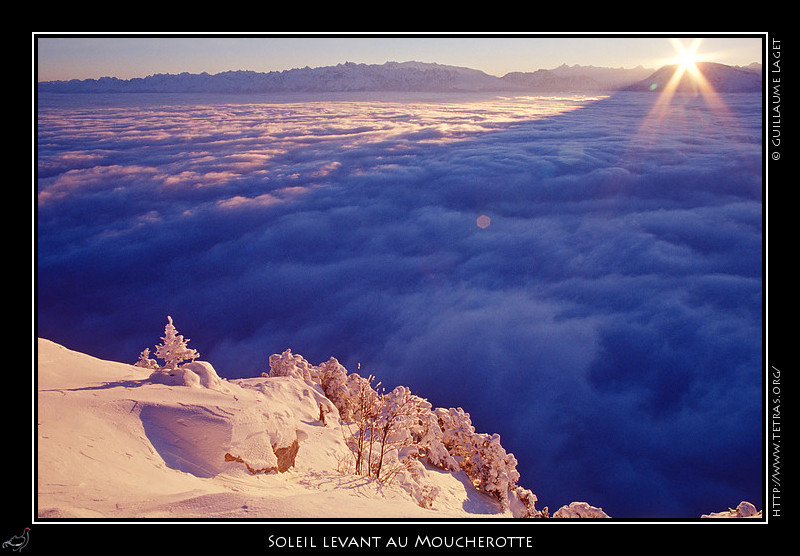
285 459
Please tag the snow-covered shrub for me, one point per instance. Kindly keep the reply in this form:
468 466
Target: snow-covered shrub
423 437
522 503
174 349
492 469
410 476
398 422
332 378
427 436
290 364
744 509
579 510
457 433
481 456
366 408
391 434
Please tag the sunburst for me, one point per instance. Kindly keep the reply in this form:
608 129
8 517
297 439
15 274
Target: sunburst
687 76
687 58
686 66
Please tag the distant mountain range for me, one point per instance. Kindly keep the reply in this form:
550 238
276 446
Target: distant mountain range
722 78
409 77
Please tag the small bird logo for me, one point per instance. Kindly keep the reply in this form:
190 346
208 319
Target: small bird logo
18 542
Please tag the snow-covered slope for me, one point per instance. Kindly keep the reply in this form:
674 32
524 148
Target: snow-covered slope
111 442
121 441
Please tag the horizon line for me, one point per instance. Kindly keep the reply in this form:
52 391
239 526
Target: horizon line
298 68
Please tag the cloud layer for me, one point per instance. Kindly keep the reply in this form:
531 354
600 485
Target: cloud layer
582 276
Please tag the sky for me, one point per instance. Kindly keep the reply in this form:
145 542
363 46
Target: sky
81 57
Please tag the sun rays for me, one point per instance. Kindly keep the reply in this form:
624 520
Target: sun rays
687 75
687 57
684 73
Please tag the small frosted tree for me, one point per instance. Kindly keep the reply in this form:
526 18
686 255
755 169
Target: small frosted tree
174 350
145 361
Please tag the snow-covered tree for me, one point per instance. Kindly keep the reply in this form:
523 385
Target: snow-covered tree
145 361
393 434
428 442
481 456
366 409
332 378
492 469
291 364
522 503
174 349
457 433
397 421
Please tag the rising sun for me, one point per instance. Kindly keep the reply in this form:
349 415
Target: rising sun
687 57
687 71
687 60
684 74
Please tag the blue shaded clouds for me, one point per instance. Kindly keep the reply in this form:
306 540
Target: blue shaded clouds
607 323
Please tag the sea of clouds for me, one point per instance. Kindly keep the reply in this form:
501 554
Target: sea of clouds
582 275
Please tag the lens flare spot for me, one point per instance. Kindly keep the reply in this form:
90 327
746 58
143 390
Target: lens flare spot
483 221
